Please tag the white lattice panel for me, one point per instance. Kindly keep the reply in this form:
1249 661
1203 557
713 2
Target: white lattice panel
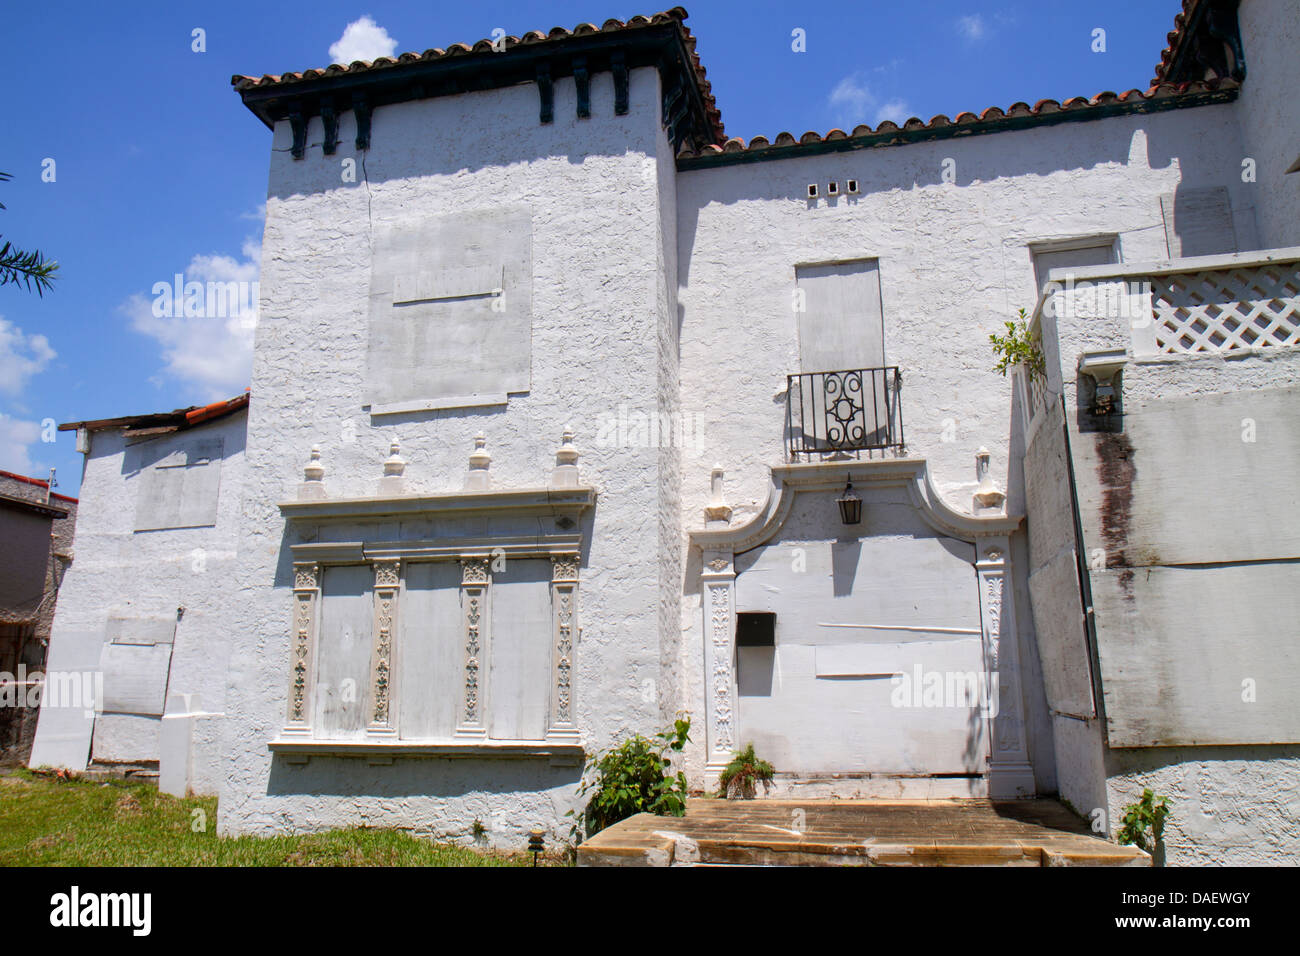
1232 309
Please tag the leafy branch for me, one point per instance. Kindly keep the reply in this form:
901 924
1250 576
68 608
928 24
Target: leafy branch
1147 815
1018 347
635 778
31 269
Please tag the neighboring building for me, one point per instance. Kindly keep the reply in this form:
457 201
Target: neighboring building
141 635
36 527
557 405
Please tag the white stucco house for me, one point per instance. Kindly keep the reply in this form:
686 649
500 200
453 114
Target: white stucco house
557 390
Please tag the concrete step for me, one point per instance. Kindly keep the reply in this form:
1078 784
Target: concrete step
957 832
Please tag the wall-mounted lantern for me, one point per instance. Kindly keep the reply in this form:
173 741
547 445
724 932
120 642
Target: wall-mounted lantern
850 505
1102 366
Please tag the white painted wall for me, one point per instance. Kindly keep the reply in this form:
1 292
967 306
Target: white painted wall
1269 115
954 262
118 572
603 335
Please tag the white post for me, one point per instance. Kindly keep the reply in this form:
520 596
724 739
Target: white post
1010 774
721 731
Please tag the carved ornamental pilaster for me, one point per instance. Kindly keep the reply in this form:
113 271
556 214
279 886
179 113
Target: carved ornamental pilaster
564 610
719 579
302 648
475 578
387 588
1010 773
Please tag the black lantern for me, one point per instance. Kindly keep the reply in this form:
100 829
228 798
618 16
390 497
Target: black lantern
850 505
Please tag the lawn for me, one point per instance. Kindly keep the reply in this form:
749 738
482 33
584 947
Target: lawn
50 822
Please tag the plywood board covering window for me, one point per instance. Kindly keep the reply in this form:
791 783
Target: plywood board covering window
450 311
178 481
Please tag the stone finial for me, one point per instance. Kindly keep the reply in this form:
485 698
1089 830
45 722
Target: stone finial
477 478
394 481
987 496
718 511
565 474
313 475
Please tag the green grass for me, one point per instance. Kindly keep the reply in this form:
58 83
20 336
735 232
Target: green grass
50 822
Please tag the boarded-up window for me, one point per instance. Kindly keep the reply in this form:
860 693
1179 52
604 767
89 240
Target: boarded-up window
431 672
841 326
136 661
178 480
1076 253
343 669
451 311
519 688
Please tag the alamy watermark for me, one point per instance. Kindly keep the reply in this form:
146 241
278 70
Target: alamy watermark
962 689
179 299
74 689
638 429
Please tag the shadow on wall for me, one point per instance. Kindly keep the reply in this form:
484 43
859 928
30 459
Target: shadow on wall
418 777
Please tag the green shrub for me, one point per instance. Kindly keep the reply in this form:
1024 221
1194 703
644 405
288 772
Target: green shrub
740 777
1147 815
635 778
1018 347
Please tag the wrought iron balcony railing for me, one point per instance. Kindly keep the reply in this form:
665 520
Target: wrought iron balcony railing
844 413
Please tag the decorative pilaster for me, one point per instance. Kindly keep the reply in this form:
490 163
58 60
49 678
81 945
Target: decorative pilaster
719 578
1010 773
564 610
302 649
473 600
387 587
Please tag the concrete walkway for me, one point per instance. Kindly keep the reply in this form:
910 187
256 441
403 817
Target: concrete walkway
858 833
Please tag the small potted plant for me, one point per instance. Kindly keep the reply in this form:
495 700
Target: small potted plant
741 777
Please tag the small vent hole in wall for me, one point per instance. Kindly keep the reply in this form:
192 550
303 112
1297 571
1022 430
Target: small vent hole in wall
812 190
852 186
832 188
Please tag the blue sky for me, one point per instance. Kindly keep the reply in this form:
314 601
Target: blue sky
158 168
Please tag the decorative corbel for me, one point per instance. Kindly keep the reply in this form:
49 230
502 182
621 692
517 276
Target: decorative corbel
582 82
298 123
330 119
618 64
545 93
361 110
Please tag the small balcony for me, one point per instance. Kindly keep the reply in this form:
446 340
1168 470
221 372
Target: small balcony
833 415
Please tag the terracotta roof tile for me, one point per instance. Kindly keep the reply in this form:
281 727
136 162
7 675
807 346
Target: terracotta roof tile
1173 39
969 121
676 15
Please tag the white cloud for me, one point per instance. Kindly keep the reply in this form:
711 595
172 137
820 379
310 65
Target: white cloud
211 355
896 111
972 27
21 357
852 102
15 436
851 98
362 40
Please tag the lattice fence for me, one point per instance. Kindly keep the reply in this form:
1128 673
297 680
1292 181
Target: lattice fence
1224 310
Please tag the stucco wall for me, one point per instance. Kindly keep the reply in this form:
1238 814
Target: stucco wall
1269 114
122 573
602 337
954 264
1229 806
